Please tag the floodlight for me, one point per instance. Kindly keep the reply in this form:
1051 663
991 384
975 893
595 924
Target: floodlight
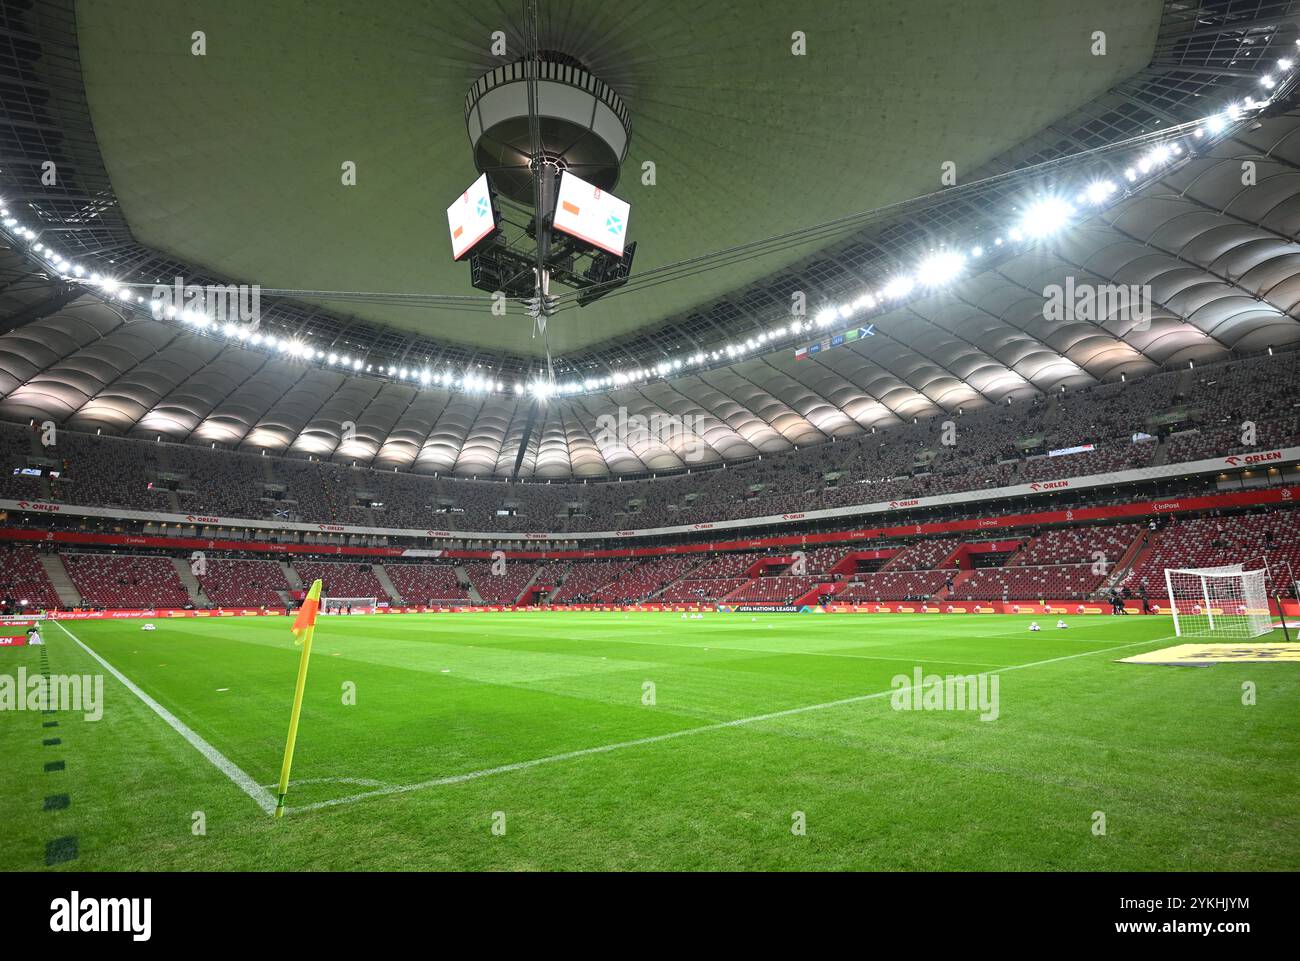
1099 190
1046 217
939 269
900 286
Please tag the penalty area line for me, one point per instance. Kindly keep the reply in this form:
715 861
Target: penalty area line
259 794
672 735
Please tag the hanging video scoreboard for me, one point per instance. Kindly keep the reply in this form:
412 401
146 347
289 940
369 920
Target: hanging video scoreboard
471 218
600 261
592 215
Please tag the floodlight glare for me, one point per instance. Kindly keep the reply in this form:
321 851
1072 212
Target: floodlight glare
1046 217
939 269
1099 190
898 287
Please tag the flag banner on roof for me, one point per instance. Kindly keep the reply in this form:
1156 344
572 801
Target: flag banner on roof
838 340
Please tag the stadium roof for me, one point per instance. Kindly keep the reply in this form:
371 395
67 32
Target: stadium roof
1219 258
232 160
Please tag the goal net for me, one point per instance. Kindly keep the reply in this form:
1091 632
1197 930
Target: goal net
341 605
1218 602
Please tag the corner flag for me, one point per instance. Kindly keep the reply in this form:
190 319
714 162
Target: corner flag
306 619
304 626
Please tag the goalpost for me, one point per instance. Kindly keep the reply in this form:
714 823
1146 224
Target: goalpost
340 605
1223 601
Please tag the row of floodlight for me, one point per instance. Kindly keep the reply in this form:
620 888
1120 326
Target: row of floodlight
1048 215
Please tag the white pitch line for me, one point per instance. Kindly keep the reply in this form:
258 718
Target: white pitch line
218 760
672 735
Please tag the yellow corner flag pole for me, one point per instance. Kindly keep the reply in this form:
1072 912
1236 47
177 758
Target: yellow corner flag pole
304 627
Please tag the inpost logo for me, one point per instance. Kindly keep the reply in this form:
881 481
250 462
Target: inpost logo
683 435
75 914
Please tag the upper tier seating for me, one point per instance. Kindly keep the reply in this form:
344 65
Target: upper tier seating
903 461
109 472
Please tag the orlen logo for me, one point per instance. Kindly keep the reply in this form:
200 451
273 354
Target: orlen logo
702 527
439 533
1049 485
331 527
911 503
29 506
203 520
793 517
1249 459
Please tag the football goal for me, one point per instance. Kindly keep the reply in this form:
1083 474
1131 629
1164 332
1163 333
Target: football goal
341 605
1219 602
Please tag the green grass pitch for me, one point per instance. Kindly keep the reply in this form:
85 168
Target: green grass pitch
538 722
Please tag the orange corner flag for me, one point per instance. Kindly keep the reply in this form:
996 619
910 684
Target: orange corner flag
306 618
304 626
